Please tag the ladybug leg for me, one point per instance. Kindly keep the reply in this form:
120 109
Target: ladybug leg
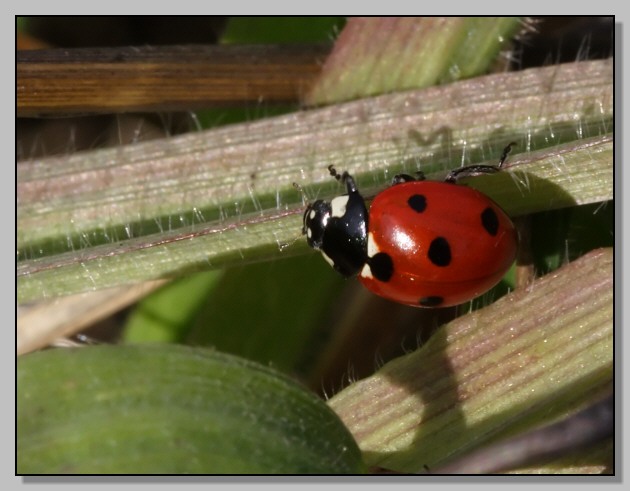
400 178
505 153
478 170
470 171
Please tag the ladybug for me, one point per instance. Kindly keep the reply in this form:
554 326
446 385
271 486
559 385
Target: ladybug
422 243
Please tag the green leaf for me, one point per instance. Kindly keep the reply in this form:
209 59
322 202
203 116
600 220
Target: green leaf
171 410
166 315
267 313
256 311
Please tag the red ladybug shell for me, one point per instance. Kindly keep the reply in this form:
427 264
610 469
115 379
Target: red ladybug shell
436 244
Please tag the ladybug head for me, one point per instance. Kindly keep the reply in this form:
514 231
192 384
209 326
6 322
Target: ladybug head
338 229
315 220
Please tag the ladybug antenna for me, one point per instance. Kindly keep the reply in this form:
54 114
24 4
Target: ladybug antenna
344 178
300 189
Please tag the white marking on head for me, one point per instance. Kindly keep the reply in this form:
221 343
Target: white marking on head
309 233
312 214
366 272
338 206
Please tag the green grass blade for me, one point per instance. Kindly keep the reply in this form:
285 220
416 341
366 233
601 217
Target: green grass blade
379 55
537 354
221 197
